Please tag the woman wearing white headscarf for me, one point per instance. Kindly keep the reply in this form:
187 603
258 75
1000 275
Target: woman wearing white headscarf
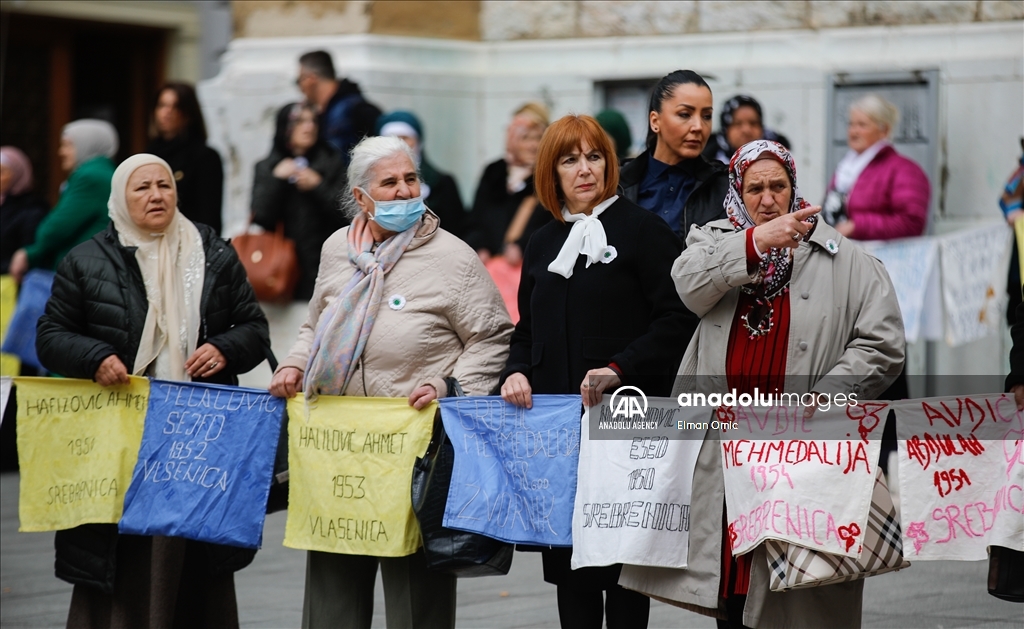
86 148
154 295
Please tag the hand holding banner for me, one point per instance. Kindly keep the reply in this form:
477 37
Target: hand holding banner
788 478
205 464
633 495
514 477
77 444
350 466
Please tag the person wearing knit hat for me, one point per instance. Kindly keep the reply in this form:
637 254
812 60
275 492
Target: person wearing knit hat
440 191
615 125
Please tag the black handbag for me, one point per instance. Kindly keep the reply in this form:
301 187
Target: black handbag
1006 574
447 550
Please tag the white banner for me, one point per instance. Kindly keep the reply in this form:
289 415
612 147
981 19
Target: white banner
961 476
788 478
5 394
633 495
913 266
974 281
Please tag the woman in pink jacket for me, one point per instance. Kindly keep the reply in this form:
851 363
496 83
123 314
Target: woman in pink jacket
876 193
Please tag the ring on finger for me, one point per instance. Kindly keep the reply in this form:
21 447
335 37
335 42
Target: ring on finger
213 364
796 236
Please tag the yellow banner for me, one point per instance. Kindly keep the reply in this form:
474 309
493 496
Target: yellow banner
77 444
10 365
350 470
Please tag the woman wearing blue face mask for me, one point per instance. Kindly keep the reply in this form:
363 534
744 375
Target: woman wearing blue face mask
443 319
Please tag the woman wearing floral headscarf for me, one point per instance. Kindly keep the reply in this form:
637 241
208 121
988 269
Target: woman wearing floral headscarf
785 302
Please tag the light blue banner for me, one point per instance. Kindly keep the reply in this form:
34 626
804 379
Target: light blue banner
514 477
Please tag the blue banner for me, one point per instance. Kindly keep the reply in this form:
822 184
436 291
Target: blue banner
205 464
514 477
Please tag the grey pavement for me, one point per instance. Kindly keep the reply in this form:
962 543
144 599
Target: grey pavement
942 594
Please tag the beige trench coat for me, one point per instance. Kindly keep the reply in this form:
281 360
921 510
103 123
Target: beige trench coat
846 335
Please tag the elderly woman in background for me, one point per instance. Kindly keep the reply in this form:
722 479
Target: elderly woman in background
152 295
439 189
671 178
741 121
298 184
441 309
86 148
761 281
180 139
21 210
876 193
598 310
503 216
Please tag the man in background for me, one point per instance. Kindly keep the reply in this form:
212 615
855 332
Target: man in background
345 116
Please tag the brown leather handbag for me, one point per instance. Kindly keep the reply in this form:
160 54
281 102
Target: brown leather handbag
270 263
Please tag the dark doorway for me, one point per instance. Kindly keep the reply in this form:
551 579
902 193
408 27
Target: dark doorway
58 70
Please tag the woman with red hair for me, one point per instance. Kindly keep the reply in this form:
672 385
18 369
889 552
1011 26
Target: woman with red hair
603 265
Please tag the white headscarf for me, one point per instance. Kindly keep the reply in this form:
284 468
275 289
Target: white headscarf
92 138
172 265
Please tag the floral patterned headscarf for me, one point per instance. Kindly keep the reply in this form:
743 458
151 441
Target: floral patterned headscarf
774 270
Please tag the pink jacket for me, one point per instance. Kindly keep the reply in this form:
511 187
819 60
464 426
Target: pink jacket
890 198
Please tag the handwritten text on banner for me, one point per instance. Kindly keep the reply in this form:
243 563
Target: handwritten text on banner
514 477
633 495
350 466
77 444
961 476
205 464
800 485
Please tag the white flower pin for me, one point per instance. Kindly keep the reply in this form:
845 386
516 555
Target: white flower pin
608 254
831 245
396 302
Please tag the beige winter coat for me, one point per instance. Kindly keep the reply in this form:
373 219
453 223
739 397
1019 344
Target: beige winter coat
845 324
449 319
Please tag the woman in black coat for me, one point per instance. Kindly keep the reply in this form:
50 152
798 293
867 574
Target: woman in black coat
300 184
115 310
671 178
181 141
506 191
21 210
593 322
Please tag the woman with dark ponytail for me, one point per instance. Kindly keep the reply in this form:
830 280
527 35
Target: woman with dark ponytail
671 178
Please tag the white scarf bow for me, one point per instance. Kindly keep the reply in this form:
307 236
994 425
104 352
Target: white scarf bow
586 236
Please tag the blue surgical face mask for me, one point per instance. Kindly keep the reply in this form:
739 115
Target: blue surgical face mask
398 215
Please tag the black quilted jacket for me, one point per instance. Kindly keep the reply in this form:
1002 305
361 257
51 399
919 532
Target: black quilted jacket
97 308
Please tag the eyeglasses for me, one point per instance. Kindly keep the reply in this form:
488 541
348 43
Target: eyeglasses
303 76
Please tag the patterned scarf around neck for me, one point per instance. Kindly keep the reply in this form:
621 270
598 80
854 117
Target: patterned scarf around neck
774 271
346 323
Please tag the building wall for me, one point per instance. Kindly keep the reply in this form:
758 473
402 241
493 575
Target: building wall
416 18
184 55
519 19
503 20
